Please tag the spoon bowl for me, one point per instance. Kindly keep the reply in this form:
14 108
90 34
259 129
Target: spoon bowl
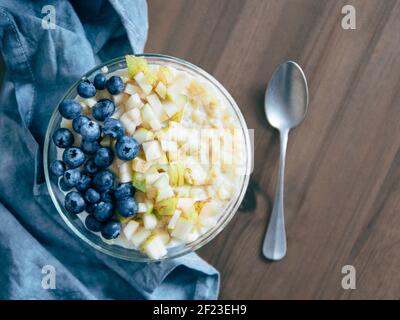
286 98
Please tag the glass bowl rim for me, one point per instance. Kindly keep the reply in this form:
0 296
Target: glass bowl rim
230 209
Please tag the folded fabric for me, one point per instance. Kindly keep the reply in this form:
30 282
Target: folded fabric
41 63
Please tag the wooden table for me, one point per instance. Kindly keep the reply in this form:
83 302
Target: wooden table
343 166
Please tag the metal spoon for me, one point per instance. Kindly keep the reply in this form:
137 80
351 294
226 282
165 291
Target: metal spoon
285 105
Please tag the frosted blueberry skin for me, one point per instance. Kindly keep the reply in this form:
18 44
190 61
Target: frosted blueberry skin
127 148
78 122
86 89
84 183
115 85
100 81
70 109
72 177
63 138
103 180
90 131
113 128
127 207
73 157
57 168
92 224
124 190
103 109
104 157
103 211
111 230
92 196
74 202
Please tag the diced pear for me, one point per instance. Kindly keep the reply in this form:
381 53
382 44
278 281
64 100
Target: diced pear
152 150
174 219
143 83
128 123
65 123
121 98
161 90
198 194
106 141
90 102
135 115
209 209
136 65
149 221
162 181
142 207
223 193
138 181
157 107
150 117
164 235
130 89
130 228
140 236
183 191
166 207
165 75
169 145
125 176
164 193
152 177
154 247
173 175
142 135
140 165
186 205
134 101
182 228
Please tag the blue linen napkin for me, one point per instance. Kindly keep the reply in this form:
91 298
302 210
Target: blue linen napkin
41 64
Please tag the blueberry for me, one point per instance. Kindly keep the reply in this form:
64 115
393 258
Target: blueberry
103 211
104 157
70 109
127 148
92 224
111 230
103 180
57 168
124 190
113 127
107 196
84 183
100 81
74 202
103 109
78 122
90 131
86 89
63 186
115 85
73 157
90 207
90 167
127 207
90 147
71 177
92 196
63 138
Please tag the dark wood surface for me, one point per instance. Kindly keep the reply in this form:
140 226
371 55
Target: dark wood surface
343 165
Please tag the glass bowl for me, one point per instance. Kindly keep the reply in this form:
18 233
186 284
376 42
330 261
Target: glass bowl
73 221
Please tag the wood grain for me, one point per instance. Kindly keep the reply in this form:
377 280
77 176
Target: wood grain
343 165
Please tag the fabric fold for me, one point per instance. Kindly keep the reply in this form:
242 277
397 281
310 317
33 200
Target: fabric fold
41 65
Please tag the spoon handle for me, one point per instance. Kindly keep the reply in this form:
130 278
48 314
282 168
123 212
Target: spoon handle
274 247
